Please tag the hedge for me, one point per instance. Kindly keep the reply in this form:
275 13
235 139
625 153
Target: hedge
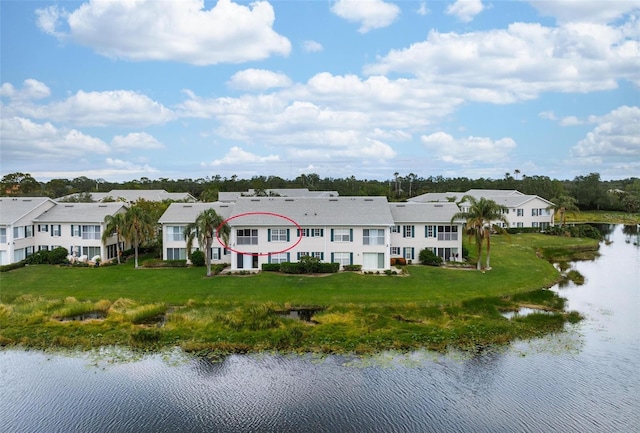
158 263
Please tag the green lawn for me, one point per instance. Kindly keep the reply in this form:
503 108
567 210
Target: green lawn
430 307
604 217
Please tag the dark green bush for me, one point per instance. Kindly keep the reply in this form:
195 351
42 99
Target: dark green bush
328 268
58 256
309 265
197 258
12 266
427 257
38 258
352 267
271 267
289 268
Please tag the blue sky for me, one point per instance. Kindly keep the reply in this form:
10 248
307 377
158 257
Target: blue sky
121 90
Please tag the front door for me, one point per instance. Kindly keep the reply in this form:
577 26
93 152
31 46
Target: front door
240 261
254 263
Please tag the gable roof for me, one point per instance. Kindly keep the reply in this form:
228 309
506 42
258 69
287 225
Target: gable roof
132 195
505 197
423 212
79 212
14 208
186 213
309 211
278 192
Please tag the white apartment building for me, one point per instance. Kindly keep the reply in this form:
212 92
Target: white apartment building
523 210
345 230
17 230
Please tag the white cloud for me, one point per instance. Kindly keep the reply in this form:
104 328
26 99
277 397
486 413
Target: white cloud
127 167
136 140
116 107
371 14
311 46
464 151
616 138
520 62
586 11
570 121
548 115
181 31
465 10
423 9
31 89
236 155
258 79
23 139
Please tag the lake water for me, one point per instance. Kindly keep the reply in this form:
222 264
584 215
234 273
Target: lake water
586 379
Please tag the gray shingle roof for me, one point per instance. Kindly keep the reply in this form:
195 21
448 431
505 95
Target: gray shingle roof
510 198
132 195
281 192
423 212
309 212
14 208
79 212
186 213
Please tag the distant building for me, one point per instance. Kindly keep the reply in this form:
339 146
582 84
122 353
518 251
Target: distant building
133 195
522 210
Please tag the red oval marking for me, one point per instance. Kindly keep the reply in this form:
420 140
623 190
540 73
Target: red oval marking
277 215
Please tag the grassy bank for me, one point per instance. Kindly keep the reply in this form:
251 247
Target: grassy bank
436 308
602 217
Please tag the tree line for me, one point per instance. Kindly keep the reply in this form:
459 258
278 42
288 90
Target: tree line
589 192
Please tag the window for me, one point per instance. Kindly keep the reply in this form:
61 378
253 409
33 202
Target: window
544 225
314 233
429 231
408 253
176 253
447 254
520 225
56 230
373 236
535 224
316 254
408 231
395 251
536 212
3 235
342 258
279 258
28 231
278 235
43 247
18 232
43 227
342 235
247 236
91 232
175 233
447 233
520 212
90 252
395 229
19 254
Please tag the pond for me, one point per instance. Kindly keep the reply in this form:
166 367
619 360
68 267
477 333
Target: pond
582 380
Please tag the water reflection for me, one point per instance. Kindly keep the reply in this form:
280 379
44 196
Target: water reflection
583 380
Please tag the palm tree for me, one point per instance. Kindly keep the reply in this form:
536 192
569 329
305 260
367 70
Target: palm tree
139 227
563 204
114 224
207 226
480 218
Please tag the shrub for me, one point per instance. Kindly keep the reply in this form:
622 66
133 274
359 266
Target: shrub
427 257
271 267
289 268
12 266
58 256
38 258
352 267
398 261
328 268
197 258
309 265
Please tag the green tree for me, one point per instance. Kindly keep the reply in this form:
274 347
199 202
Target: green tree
16 184
115 224
480 215
139 227
207 226
563 204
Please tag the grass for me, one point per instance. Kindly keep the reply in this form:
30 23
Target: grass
435 308
606 217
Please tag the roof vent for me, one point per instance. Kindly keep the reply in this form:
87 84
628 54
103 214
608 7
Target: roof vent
288 199
255 199
400 205
102 205
333 199
368 199
437 205
186 205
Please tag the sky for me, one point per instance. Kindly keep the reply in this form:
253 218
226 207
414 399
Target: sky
123 90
